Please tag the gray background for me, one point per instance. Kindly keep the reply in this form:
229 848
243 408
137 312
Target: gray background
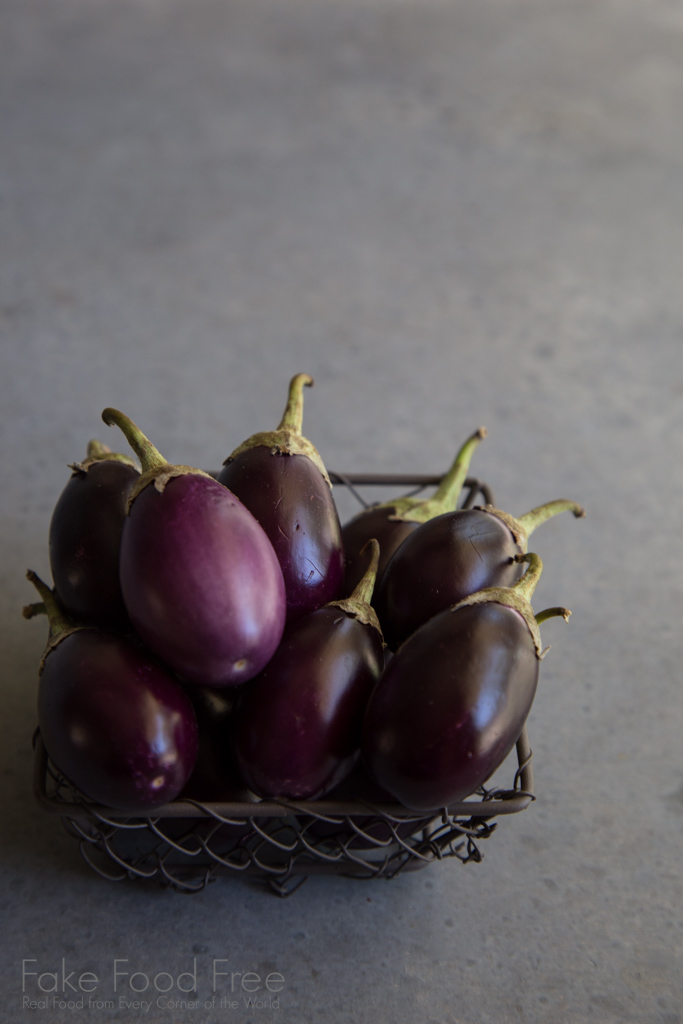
450 214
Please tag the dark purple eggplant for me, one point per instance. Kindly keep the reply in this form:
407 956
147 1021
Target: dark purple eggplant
85 536
113 719
215 775
296 726
452 702
392 521
282 480
452 556
200 579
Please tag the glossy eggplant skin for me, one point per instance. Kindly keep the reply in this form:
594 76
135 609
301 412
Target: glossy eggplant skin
451 705
115 721
373 522
201 581
296 727
445 560
84 542
289 497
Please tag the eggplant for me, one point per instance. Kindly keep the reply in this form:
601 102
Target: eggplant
296 726
215 775
282 480
85 536
113 719
200 579
452 556
393 521
452 702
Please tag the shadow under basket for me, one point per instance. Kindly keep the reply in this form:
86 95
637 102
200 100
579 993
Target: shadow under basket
187 843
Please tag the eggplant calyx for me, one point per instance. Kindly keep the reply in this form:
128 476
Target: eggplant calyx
160 476
155 468
287 439
61 625
525 525
98 452
516 597
358 604
283 442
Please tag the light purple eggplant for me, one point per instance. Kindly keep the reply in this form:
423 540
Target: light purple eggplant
112 718
85 536
282 480
453 700
200 579
296 726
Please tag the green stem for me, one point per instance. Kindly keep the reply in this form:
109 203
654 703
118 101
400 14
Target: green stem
536 516
451 484
365 587
58 619
148 455
552 613
526 586
96 450
293 416
31 610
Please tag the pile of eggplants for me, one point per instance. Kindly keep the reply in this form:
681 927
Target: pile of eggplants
223 637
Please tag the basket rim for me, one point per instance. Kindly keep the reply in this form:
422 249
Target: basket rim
511 803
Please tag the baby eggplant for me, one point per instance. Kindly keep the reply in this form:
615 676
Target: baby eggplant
85 536
296 726
452 702
200 580
452 556
281 479
392 521
113 719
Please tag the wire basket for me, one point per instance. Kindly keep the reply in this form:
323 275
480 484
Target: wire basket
188 843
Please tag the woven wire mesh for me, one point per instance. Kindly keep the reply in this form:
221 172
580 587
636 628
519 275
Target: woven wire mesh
190 843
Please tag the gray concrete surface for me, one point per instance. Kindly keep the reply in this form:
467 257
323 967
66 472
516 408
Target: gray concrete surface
450 214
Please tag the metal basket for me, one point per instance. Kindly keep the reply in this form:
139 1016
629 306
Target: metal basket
188 843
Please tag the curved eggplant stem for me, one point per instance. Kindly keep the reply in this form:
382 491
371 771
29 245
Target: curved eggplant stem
533 519
149 456
552 613
293 416
451 484
366 585
526 586
57 617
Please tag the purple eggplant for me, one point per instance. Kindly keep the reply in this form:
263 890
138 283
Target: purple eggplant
215 775
113 719
452 556
393 521
296 727
452 702
85 536
200 579
281 479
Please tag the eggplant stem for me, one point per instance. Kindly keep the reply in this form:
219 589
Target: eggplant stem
526 586
293 416
57 617
31 610
449 489
365 587
552 613
96 449
533 519
149 456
